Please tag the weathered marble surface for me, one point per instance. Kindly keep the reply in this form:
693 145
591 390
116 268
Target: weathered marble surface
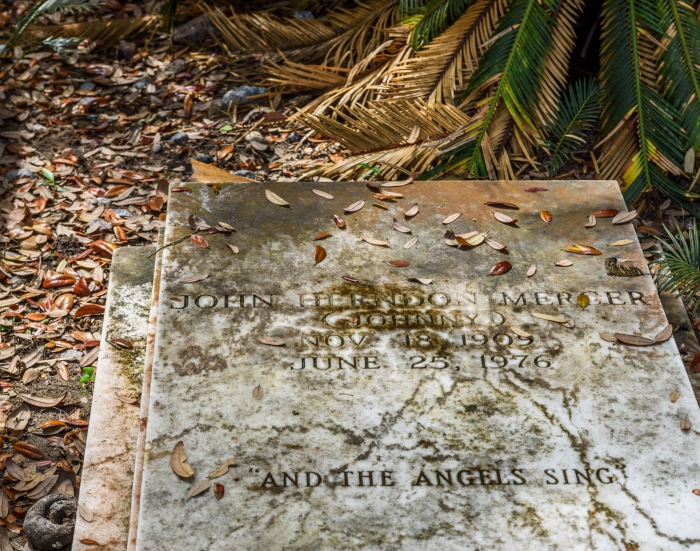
107 474
506 440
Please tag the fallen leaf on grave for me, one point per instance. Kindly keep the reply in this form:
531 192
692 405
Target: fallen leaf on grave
275 199
531 270
501 267
41 401
233 248
322 194
450 238
535 189
85 513
564 263
624 217
520 332
605 213
504 218
198 487
410 243
339 222
570 324
27 450
178 461
30 375
127 400
495 244
674 396
591 221
582 249
373 241
258 392
401 182
422 280
620 243
122 343
412 211
664 334
221 471
323 235
227 227
219 490
471 239
88 541
546 216
502 205
196 223
452 218
380 206
397 263
64 302
89 310
608 337
319 254
199 241
401 228
582 300
272 342
350 279
180 189
57 280
557 319
633 340
18 419
354 207
685 423
203 172
196 278
696 491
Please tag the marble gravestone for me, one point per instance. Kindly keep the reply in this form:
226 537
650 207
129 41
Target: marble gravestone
367 410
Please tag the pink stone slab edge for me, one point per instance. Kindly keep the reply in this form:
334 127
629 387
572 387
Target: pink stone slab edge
116 428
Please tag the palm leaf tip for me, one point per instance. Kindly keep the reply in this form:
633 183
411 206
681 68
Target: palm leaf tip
678 269
576 114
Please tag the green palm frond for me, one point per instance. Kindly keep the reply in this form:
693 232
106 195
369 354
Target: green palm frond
510 74
168 11
432 18
679 268
577 112
630 38
44 7
680 64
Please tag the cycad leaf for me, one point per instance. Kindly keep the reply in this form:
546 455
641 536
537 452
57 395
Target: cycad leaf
577 112
432 18
679 269
631 32
680 66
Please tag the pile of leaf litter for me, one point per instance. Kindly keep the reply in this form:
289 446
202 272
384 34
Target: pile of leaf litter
89 142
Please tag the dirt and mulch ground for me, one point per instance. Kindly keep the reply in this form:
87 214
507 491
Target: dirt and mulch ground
89 141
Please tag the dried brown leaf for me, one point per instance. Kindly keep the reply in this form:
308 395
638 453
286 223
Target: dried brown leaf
548 317
275 199
564 263
624 217
198 487
501 267
452 218
605 213
195 279
504 218
319 254
531 270
233 248
582 300
258 392
199 241
354 207
322 194
422 280
272 342
633 340
398 263
591 221
412 211
41 401
222 470
674 396
664 334
410 243
178 461
373 241
546 216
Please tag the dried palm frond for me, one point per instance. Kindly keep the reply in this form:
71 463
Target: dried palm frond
299 76
379 134
108 32
442 68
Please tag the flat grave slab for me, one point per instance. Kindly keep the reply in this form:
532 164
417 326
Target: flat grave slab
108 469
367 410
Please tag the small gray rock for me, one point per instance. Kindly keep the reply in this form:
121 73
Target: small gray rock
246 174
140 84
180 138
14 175
241 95
50 522
87 86
204 158
196 31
